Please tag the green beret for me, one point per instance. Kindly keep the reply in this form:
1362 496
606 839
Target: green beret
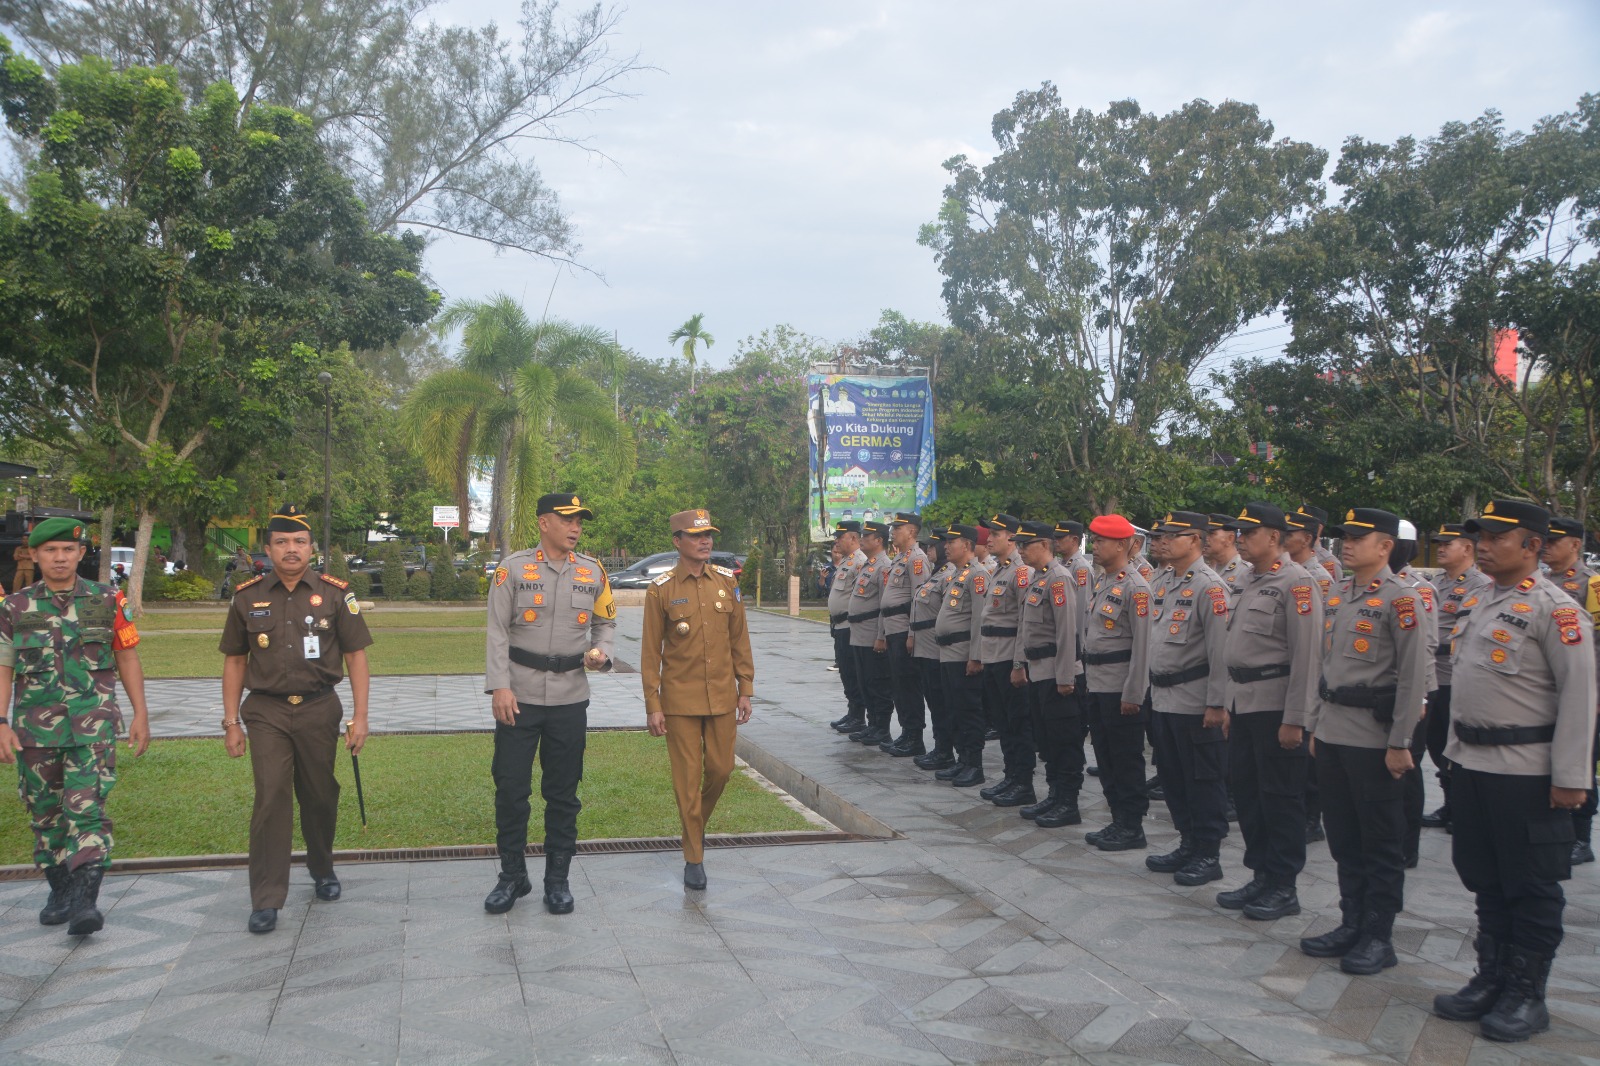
68 529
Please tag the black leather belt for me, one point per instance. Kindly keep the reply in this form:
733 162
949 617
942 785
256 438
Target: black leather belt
551 664
1499 735
295 699
1194 673
923 623
1249 675
899 608
1442 652
864 616
944 640
998 631
1379 699
1105 658
1040 651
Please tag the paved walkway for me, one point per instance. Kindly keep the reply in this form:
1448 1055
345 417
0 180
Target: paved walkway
975 938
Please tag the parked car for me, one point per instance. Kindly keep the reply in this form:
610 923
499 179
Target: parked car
641 572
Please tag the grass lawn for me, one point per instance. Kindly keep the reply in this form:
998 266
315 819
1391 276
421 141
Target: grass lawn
816 614
196 655
186 797
378 617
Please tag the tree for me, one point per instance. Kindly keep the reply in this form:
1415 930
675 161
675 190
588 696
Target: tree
173 276
1100 259
1435 249
434 122
692 335
522 396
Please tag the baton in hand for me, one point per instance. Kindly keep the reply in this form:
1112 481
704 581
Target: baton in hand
355 764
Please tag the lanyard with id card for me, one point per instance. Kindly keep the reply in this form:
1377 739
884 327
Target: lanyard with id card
311 642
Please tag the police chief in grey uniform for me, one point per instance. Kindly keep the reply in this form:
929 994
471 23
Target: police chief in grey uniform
1522 746
551 616
1374 670
1274 642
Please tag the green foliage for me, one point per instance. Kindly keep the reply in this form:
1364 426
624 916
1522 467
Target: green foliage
394 571
419 586
338 565
186 586
361 585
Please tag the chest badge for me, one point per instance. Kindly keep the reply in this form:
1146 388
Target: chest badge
262 640
316 600
1362 644
530 615
722 594
682 629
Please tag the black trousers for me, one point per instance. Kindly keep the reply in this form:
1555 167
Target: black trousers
877 687
1058 730
844 657
1119 751
556 735
1511 851
1313 791
1007 708
906 684
1193 763
938 713
1269 792
1438 728
1361 809
963 700
1414 791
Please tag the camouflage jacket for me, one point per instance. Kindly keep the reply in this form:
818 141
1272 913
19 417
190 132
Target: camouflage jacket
62 648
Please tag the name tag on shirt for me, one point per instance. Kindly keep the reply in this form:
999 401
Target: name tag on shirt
313 646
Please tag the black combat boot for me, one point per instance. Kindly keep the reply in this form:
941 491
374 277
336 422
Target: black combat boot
1439 819
1064 812
874 735
1314 830
909 746
83 897
851 722
1278 901
512 885
1478 997
1033 810
56 907
998 787
951 772
1374 952
1520 1012
1020 794
1125 834
1171 861
1237 898
557 896
969 776
1583 846
1335 943
934 760
1203 867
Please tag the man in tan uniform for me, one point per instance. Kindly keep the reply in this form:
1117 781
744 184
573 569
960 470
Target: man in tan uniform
550 615
698 675
289 637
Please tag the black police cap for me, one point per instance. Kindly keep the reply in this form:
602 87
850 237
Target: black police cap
906 518
1257 515
841 528
1066 527
562 503
1219 521
1561 526
958 530
1004 522
1037 531
1447 532
1182 522
880 529
1501 515
1359 521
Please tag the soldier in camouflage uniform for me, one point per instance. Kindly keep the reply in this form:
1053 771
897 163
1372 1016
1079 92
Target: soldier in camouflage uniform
63 644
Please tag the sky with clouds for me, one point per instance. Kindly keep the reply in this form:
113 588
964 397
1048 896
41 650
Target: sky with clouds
776 163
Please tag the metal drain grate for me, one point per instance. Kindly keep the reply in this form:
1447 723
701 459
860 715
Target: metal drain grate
621 846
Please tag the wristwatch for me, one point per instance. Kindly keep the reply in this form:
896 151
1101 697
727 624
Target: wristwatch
226 723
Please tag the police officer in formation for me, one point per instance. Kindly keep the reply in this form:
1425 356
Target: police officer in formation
1047 671
866 637
956 634
1005 703
908 571
1563 554
847 539
1222 553
1375 661
1458 588
925 652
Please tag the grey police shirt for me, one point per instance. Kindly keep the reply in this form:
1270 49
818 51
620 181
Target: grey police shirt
1276 621
1048 641
1188 630
908 572
1002 611
1380 637
956 630
1456 599
1119 623
865 601
925 612
550 608
844 583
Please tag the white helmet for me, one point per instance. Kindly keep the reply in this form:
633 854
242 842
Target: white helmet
1407 530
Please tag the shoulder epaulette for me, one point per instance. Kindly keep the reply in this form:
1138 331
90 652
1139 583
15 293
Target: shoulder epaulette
663 579
246 584
723 570
338 583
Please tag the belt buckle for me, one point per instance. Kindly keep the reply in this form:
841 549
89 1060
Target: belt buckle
295 701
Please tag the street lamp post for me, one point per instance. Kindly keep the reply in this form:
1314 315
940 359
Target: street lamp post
327 467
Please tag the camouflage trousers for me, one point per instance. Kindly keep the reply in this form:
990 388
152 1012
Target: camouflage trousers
65 791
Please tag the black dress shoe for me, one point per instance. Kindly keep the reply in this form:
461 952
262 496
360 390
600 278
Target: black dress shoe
1439 819
1237 898
934 760
694 875
263 921
1372 954
1279 901
1314 831
328 888
951 772
1065 812
1170 862
998 787
1015 796
1199 870
969 776
1122 838
1331 945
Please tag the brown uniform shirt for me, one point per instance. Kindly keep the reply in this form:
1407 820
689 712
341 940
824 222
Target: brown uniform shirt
694 654
269 623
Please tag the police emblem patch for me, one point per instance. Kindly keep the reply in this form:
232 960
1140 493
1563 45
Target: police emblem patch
1302 598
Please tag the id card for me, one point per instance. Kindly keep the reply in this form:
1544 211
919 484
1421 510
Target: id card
313 646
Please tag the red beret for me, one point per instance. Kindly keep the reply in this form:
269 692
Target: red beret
983 535
1112 525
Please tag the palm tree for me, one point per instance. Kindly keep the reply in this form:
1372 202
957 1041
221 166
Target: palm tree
691 334
523 392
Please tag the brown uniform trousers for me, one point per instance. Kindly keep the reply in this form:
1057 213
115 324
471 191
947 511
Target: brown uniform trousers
292 751
701 749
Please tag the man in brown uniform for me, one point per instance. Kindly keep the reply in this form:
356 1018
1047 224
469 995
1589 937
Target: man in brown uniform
698 675
289 637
